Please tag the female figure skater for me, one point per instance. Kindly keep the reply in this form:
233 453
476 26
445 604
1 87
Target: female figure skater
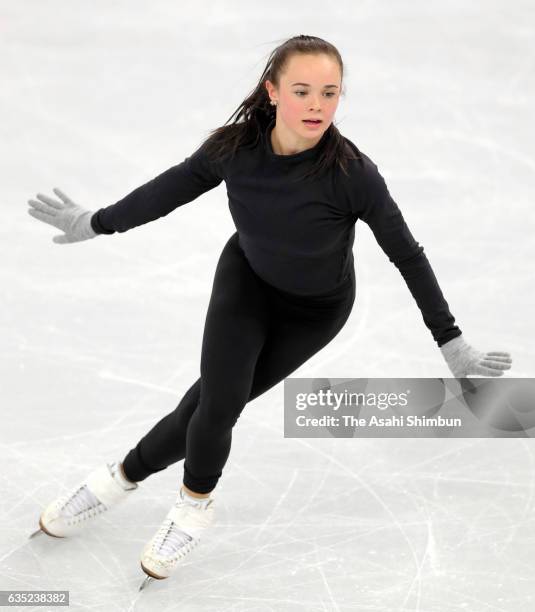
283 288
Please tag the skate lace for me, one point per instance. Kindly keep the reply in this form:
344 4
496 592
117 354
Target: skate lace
171 540
81 504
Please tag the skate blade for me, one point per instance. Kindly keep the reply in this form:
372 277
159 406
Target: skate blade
146 582
150 577
36 533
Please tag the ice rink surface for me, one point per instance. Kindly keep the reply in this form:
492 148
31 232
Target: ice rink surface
102 338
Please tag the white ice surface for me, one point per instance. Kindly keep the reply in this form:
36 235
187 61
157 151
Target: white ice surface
102 338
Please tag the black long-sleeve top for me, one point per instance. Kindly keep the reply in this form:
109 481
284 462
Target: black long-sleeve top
297 235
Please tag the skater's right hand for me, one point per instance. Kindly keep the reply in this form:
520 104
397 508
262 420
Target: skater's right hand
67 216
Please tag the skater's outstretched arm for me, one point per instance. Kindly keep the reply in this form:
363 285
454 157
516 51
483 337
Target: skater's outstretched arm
169 190
173 188
383 216
380 212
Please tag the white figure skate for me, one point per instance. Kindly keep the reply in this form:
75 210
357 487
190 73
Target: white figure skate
103 489
177 536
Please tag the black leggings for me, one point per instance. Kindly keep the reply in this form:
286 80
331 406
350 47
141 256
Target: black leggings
254 336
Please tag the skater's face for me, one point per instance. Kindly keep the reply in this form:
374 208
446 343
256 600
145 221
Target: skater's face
309 88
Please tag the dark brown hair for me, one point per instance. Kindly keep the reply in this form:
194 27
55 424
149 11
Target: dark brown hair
255 113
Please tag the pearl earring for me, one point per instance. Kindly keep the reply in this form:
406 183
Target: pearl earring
273 102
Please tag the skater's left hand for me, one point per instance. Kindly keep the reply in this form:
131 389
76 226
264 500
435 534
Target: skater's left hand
463 359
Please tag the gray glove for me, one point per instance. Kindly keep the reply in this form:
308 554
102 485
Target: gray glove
67 216
462 359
